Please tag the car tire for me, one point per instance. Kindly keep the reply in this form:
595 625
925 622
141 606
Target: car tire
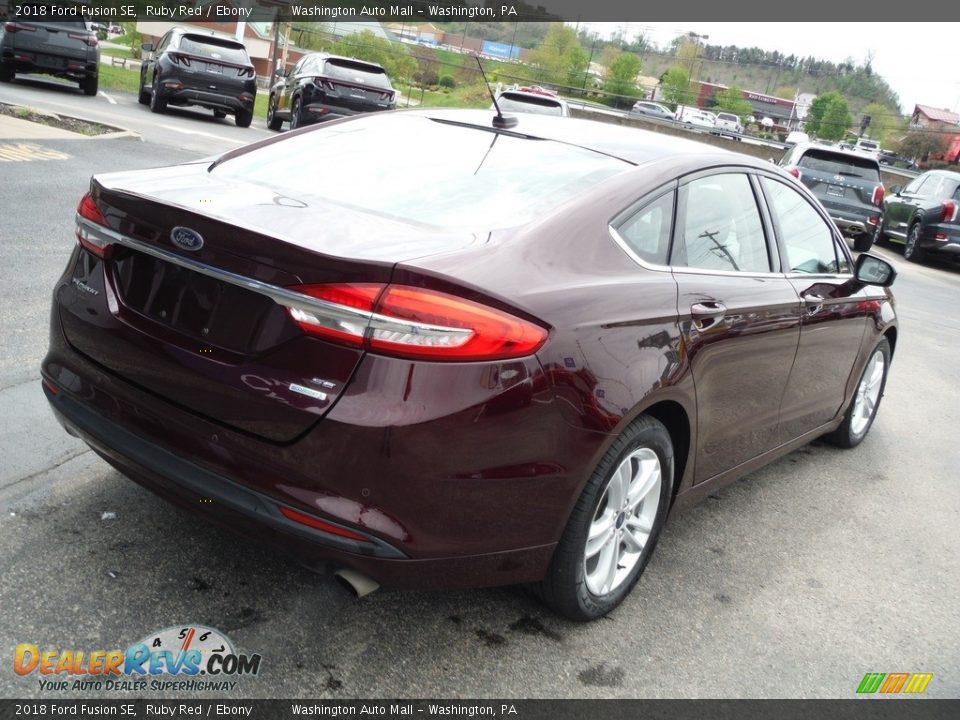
614 525
7 71
879 236
158 103
219 114
912 250
296 119
273 122
90 85
866 399
243 118
143 97
863 242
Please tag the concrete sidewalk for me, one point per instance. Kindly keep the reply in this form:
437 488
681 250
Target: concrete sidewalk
12 128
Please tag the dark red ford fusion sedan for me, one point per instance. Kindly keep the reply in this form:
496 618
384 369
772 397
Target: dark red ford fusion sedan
420 350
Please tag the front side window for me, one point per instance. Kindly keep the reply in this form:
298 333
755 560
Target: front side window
648 232
807 238
721 227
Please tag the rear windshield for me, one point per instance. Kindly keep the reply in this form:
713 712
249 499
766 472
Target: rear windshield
526 103
424 171
727 116
837 164
357 72
215 49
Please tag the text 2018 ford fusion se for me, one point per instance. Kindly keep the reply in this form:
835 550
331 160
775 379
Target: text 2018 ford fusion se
504 360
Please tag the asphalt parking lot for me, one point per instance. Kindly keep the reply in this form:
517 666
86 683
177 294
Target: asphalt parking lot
792 582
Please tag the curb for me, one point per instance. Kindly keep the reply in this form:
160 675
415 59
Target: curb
119 132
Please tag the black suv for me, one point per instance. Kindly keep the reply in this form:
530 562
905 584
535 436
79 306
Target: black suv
191 68
925 215
65 48
323 87
846 182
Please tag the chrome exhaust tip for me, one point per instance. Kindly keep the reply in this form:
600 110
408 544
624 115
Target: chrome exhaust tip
358 584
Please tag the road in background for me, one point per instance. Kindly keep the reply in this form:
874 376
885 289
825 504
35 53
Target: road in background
792 582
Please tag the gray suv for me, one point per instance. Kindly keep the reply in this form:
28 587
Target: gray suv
847 184
65 48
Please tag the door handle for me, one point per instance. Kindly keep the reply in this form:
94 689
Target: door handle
706 314
813 302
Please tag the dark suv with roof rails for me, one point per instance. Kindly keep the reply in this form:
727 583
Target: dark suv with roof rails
847 183
325 87
192 68
66 48
924 216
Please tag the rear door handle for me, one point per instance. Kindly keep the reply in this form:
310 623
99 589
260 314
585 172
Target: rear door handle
708 313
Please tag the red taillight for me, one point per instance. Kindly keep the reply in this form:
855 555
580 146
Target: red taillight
180 59
246 72
319 524
325 84
88 39
877 197
12 27
88 210
413 322
793 170
949 213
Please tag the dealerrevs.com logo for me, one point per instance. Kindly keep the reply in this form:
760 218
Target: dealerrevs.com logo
180 658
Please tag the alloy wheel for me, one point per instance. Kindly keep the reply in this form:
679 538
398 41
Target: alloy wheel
868 393
622 523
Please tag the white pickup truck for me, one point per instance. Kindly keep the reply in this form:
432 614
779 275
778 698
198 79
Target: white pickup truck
728 123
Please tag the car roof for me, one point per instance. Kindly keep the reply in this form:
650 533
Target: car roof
631 144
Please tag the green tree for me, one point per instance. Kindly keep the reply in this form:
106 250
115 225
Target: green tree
731 101
621 78
883 121
828 116
559 53
676 86
394 58
919 144
690 56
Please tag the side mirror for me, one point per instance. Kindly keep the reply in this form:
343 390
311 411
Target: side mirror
147 47
896 189
872 270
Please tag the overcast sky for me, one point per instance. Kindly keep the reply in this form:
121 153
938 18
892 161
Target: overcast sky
920 61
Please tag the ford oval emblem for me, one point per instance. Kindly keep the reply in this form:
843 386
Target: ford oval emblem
186 239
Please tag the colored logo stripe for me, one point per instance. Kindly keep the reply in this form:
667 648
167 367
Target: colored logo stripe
918 682
894 683
870 682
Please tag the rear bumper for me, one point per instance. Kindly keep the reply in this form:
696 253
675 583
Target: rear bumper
854 224
314 112
443 498
212 100
50 64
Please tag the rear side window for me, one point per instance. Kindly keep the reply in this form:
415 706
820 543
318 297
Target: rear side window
721 227
214 49
837 164
648 232
808 240
357 72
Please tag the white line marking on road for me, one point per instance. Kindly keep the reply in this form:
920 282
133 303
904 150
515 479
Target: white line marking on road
109 99
198 132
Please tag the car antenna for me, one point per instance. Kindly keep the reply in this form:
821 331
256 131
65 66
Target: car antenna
500 120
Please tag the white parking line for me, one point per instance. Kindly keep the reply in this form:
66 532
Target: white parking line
109 99
199 132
